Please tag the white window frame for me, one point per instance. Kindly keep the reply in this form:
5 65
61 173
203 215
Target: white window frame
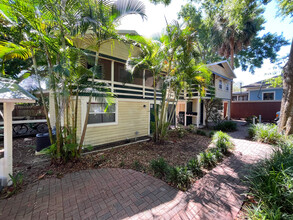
263 93
227 86
84 102
221 84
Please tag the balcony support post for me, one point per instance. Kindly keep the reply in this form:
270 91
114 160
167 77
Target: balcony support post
143 84
112 76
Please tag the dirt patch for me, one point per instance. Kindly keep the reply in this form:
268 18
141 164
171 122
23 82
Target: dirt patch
177 151
25 160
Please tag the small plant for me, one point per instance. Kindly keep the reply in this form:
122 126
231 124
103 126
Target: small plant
191 128
218 154
266 133
207 159
181 132
50 172
249 119
194 166
211 134
180 177
201 132
17 181
160 167
226 126
122 164
222 141
138 166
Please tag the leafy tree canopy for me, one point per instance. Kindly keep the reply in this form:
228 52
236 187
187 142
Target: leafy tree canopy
230 29
165 2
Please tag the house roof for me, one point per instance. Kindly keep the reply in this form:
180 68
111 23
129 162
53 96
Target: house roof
258 84
224 64
10 91
124 32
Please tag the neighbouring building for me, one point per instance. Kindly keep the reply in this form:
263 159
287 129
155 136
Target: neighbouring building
259 98
131 115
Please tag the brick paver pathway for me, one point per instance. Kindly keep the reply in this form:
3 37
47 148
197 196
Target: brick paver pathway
120 193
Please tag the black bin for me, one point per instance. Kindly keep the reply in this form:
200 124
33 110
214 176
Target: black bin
43 141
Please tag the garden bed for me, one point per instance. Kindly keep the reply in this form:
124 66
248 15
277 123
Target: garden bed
176 151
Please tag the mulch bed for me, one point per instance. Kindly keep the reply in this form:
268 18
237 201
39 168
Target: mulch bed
176 151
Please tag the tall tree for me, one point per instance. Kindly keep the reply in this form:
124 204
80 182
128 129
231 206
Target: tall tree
229 29
51 27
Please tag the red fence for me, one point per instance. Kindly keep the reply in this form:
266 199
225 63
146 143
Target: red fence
267 110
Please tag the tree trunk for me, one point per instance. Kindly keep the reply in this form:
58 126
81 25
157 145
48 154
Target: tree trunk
42 97
286 116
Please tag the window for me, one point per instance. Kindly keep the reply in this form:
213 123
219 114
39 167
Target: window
121 74
220 84
234 98
268 96
104 71
227 86
101 113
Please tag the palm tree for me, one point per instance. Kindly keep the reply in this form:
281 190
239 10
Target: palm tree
151 58
173 54
236 24
51 27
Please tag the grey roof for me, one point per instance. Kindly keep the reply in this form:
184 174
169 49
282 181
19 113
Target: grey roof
259 83
124 32
10 90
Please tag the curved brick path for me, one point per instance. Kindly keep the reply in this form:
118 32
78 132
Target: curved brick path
119 193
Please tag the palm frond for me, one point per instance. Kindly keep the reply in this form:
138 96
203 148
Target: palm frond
127 7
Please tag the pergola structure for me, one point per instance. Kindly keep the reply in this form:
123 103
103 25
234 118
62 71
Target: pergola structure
10 93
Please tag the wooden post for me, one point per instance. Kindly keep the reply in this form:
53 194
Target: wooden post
185 114
8 142
143 84
112 76
204 114
198 113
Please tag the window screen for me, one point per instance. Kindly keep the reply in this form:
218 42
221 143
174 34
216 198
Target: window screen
102 113
220 84
268 96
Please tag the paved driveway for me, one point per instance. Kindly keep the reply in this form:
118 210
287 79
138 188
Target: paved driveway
121 193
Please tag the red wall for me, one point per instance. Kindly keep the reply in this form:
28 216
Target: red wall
267 110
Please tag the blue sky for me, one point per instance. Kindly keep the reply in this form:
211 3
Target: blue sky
156 22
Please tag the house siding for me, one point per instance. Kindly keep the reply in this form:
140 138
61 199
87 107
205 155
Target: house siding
133 117
222 93
256 95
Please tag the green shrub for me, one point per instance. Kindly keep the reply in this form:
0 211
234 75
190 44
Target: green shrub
160 167
194 166
249 119
181 132
272 186
138 166
180 177
222 141
211 134
218 154
266 133
191 128
226 126
200 132
207 159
